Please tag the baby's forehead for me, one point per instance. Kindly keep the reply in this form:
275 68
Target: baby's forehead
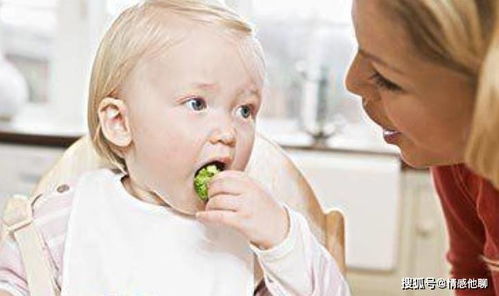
205 55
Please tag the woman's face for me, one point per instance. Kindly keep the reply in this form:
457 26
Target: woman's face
424 108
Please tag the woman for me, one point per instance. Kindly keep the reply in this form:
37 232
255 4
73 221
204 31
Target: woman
428 73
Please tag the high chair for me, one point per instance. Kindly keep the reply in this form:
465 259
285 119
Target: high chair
269 164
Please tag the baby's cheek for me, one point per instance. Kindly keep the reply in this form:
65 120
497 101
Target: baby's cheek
174 151
244 149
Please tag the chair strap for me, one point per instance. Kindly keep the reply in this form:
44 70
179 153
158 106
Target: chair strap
18 221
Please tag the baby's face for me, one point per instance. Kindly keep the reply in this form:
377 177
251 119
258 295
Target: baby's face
193 105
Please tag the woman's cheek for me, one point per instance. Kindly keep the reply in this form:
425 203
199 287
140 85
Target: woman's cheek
402 114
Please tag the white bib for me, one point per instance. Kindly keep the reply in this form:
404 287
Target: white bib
117 245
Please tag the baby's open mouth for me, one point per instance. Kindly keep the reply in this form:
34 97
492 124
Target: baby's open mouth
204 175
218 164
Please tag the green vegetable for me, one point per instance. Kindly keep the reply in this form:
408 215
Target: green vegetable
202 179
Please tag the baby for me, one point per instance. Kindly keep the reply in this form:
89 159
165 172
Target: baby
176 87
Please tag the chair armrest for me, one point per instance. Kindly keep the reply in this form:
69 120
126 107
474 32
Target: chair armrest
335 237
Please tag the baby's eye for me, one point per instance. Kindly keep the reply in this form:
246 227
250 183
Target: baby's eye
244 111
196 104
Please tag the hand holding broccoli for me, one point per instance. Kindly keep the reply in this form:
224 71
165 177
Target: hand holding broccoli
238 201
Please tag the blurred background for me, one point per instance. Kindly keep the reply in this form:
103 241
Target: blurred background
52 43
394 225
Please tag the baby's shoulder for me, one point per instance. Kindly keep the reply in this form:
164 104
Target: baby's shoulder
61 197
51 212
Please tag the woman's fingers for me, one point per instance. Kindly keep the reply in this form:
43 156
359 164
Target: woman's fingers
224 202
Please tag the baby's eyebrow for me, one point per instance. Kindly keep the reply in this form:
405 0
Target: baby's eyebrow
214 87
194 87
249 92
205 85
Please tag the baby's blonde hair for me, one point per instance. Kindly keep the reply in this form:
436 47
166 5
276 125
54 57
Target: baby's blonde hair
139 31
463 35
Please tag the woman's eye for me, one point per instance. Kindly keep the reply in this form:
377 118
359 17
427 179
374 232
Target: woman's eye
244 111
384 83
196 104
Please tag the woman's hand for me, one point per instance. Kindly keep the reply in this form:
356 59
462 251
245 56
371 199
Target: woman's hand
238 201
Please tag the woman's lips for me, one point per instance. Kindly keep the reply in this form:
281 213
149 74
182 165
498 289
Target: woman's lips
391 136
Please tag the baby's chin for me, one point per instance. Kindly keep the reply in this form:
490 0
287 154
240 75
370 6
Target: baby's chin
185 202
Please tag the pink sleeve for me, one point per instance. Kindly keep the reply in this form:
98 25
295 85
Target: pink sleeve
300 265
51 214
326 275
12 276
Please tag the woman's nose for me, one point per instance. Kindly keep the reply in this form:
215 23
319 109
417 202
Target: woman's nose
353 79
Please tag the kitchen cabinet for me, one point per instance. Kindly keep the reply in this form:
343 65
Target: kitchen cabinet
422 244
394 225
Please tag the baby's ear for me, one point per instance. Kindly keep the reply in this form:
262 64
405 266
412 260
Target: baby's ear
114 122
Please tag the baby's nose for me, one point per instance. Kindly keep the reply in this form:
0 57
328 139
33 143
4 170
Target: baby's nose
226 136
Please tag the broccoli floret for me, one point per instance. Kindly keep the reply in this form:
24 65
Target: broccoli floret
202 179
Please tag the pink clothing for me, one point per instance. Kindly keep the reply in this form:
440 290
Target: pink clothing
299 263
51 214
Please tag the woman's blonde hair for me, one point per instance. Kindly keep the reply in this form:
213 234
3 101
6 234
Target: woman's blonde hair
139 31
463 35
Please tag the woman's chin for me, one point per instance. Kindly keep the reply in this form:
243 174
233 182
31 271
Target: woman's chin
414 156
415 162
420 159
